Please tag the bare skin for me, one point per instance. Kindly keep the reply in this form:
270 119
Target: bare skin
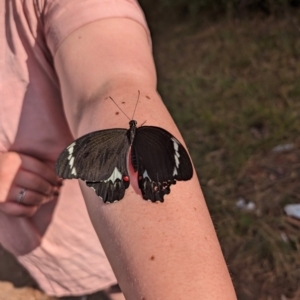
18 171
158 251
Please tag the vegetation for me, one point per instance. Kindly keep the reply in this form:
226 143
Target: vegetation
196 8
232 86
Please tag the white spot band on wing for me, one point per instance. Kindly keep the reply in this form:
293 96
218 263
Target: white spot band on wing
71 162
175 171
74 172
176 155
71 148
116 174
71 158
145 174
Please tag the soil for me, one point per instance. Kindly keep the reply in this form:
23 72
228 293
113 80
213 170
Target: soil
15 282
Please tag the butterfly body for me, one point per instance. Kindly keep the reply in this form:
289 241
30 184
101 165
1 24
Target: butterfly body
100 159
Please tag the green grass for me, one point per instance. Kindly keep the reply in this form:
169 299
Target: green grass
233 89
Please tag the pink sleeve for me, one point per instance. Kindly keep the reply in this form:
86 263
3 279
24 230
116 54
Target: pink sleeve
62 17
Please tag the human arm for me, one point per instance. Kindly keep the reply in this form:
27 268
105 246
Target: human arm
166 251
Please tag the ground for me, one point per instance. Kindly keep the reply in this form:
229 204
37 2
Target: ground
15 282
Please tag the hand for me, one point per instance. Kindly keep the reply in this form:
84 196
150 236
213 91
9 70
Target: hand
36 179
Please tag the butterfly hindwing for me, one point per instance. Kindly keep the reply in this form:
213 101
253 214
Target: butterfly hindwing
160 160
100 159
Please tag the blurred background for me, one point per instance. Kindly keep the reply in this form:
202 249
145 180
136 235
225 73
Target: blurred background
228 71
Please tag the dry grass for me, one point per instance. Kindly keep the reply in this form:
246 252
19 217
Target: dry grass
232 87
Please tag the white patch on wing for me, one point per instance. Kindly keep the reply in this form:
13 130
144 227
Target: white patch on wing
71 157
116 174
71 162
71 147
176 155
74 172
176 159
175 143
175 171
145 174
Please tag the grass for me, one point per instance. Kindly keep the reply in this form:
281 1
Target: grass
233 89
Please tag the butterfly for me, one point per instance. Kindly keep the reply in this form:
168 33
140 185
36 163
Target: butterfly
100 159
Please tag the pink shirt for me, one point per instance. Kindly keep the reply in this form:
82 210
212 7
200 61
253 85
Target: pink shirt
67 258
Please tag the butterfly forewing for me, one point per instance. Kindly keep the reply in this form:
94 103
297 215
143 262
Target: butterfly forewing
160 160
100 159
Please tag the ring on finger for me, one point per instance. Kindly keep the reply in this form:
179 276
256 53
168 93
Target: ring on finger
21 196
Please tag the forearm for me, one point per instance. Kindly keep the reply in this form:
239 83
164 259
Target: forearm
158 251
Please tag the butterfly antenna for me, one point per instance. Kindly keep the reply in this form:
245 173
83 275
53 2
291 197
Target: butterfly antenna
137 101
119 107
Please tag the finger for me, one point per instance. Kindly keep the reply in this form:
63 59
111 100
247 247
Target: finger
29 197
14 209
31 181
41 169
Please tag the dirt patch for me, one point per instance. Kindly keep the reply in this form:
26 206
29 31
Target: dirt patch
15 282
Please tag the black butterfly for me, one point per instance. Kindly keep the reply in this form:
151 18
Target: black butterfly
100 159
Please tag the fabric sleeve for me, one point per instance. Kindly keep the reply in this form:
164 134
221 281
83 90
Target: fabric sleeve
62 17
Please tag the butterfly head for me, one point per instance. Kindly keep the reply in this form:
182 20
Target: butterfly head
132 123
131 131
